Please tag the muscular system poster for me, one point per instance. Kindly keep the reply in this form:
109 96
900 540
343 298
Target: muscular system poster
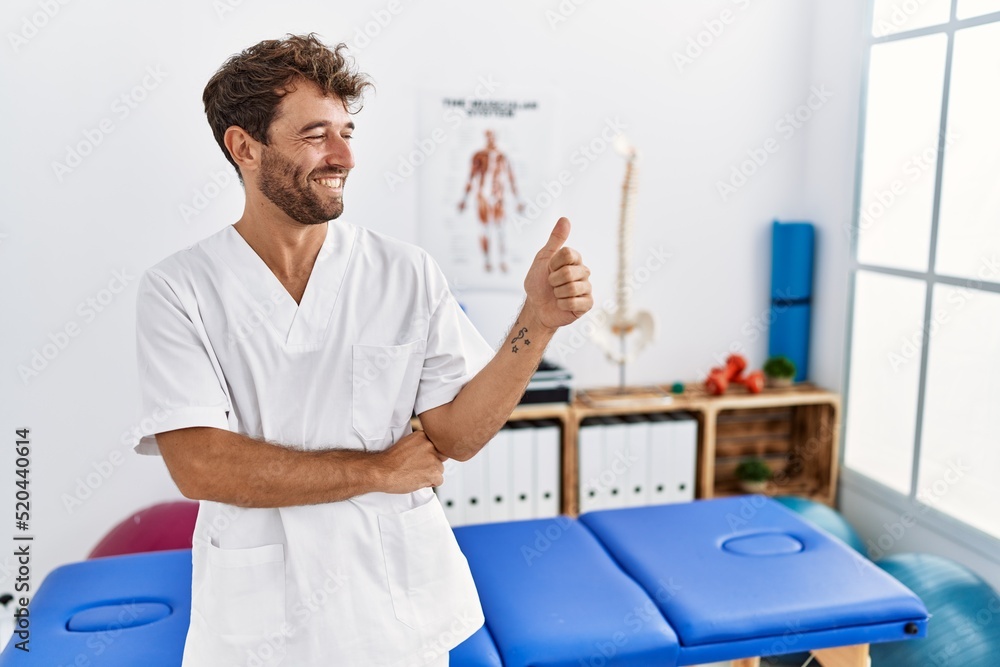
477 215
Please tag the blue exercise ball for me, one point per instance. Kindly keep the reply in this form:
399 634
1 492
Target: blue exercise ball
828 519
964 630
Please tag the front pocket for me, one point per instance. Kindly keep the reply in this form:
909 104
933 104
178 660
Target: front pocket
384 386
245 590
429 577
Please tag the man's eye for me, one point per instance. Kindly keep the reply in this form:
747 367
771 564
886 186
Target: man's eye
348 136
315 136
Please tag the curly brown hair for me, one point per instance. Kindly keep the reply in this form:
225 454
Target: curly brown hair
248 87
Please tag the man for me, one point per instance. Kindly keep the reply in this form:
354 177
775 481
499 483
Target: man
492 169
282 358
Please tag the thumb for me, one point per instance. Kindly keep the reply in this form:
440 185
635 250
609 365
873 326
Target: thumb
558 236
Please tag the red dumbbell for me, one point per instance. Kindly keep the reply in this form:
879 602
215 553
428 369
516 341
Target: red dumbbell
719 378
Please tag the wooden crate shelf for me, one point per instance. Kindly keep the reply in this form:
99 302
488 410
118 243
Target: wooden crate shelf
796 429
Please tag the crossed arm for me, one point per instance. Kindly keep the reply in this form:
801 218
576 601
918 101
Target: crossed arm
214 464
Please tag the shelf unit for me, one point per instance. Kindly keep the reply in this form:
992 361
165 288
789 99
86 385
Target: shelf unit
796 429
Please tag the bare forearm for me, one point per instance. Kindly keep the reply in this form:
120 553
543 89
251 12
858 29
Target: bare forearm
484 404
239 470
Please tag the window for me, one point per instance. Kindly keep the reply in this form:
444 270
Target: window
923 369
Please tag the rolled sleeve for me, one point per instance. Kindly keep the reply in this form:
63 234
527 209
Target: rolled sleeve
455 351
180 383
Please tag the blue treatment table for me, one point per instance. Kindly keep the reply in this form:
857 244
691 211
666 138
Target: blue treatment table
655 586
122 610
748 577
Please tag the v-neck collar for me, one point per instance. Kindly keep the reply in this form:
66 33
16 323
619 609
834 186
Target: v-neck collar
301 325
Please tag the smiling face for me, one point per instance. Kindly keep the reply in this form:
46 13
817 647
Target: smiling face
308 157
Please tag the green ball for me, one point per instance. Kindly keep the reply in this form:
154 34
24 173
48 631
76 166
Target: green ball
677 388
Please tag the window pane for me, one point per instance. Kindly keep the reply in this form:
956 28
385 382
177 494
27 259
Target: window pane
960 450
902 124
969 227
969 8
892 16
885 370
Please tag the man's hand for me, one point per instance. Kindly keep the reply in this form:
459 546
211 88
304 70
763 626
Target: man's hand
557 288
411 463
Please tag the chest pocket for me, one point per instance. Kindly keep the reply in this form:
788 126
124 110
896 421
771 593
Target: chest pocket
385 380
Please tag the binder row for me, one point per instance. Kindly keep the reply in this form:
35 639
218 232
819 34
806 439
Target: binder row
515 476
635 460
625 461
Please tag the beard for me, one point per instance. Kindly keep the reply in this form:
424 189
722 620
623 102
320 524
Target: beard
283 183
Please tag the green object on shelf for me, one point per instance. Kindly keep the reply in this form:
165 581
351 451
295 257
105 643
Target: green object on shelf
779 367
677 388
753 469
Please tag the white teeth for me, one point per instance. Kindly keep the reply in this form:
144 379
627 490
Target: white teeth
330 182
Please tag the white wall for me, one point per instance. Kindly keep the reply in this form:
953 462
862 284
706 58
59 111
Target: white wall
65 237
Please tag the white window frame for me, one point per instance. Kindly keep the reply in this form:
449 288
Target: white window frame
943 523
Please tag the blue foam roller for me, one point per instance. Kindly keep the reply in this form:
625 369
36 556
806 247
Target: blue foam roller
789 335
792 260
792 253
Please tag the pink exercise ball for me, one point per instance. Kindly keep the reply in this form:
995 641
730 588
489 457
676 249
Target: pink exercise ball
161 527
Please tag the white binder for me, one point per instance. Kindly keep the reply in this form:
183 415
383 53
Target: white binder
450 493
637 460
685 456
475 489
499 471
548 435
590 450
522 446
615 461
661 458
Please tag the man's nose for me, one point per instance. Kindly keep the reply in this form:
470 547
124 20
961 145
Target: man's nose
340 154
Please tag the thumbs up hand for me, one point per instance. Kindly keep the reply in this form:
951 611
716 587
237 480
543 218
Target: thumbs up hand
557 285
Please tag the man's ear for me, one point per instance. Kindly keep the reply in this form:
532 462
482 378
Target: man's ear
244 149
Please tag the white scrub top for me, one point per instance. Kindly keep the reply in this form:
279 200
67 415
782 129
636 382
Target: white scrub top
376 580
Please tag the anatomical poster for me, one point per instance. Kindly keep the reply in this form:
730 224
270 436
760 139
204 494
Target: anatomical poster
484 212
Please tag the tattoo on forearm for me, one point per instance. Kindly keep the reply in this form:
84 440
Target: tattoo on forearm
519 337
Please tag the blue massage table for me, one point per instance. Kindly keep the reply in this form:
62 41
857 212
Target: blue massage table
727 579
